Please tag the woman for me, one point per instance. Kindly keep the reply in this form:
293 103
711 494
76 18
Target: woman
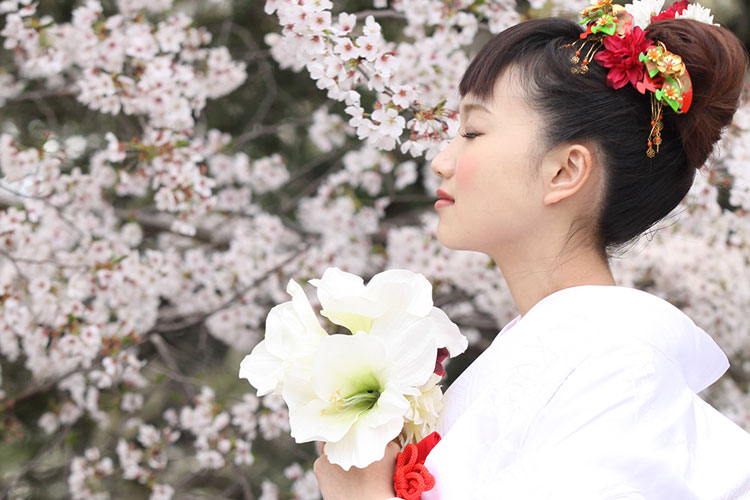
591 392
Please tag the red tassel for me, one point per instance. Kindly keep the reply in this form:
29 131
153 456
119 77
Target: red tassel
411 477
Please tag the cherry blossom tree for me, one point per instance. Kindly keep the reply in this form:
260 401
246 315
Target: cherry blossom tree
167 166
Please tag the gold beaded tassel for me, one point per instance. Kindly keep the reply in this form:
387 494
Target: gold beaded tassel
654 137
584 66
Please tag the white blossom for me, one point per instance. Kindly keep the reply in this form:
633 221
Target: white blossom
643 10
697 12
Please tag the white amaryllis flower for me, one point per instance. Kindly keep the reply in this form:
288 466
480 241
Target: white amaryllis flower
348 302
361 383
643 10
357 392
697 12
285 357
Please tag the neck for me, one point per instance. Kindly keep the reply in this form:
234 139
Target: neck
533 274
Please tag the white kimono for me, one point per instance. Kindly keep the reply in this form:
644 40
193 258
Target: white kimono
591 396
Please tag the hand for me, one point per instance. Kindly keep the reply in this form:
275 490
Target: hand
372 483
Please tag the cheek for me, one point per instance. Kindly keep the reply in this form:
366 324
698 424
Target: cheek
466 172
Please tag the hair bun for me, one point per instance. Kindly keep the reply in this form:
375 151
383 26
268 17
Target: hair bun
717 63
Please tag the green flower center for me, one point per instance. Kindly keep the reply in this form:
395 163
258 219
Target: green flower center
363 394
361 401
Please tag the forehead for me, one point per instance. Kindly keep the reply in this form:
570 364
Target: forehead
469 106
507 91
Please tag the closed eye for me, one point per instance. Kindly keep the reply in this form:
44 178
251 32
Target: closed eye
470 135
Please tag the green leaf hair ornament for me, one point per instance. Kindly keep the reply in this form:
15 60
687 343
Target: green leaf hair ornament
675 87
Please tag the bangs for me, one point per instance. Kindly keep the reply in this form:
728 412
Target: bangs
525 46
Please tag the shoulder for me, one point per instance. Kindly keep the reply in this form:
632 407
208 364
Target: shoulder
583 322
628 416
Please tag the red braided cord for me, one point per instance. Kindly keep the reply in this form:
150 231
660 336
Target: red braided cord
411 477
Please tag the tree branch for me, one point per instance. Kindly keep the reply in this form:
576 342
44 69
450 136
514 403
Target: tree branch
254 55
265 70
51 445
188 384
46 202
196 319
259 131
14 262
48 112
162 222
40 262
35 391
34 95
246 491
380 14
311 187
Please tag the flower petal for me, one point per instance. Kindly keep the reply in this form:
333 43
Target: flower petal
335 279
395 326
312 422
297 388
447 333
303 309
341 295
363 444
412 350
642 10
286 335
262 369
400 289
291 337
353 313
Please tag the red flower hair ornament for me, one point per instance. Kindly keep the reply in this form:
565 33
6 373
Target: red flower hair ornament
621 56
672 11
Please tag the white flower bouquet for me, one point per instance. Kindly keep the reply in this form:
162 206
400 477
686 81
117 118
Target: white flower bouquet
357 391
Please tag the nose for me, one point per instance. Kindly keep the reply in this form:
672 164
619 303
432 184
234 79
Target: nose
444 164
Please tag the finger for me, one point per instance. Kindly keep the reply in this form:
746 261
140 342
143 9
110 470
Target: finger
392 448
321 445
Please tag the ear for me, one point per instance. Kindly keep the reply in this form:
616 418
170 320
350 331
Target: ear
565 171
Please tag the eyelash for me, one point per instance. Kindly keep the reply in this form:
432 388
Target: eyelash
469 135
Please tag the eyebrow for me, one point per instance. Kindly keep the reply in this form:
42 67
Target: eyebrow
466 109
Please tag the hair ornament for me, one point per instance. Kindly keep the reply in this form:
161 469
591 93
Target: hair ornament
615 39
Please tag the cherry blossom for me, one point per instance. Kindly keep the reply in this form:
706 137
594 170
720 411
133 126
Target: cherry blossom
121 244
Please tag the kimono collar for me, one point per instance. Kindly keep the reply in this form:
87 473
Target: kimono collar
620 311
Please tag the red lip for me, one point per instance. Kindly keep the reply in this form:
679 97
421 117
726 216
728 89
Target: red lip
444 199
442 195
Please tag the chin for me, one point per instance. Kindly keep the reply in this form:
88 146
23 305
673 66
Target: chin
451 241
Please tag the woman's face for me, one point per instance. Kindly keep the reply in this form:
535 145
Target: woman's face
489 170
